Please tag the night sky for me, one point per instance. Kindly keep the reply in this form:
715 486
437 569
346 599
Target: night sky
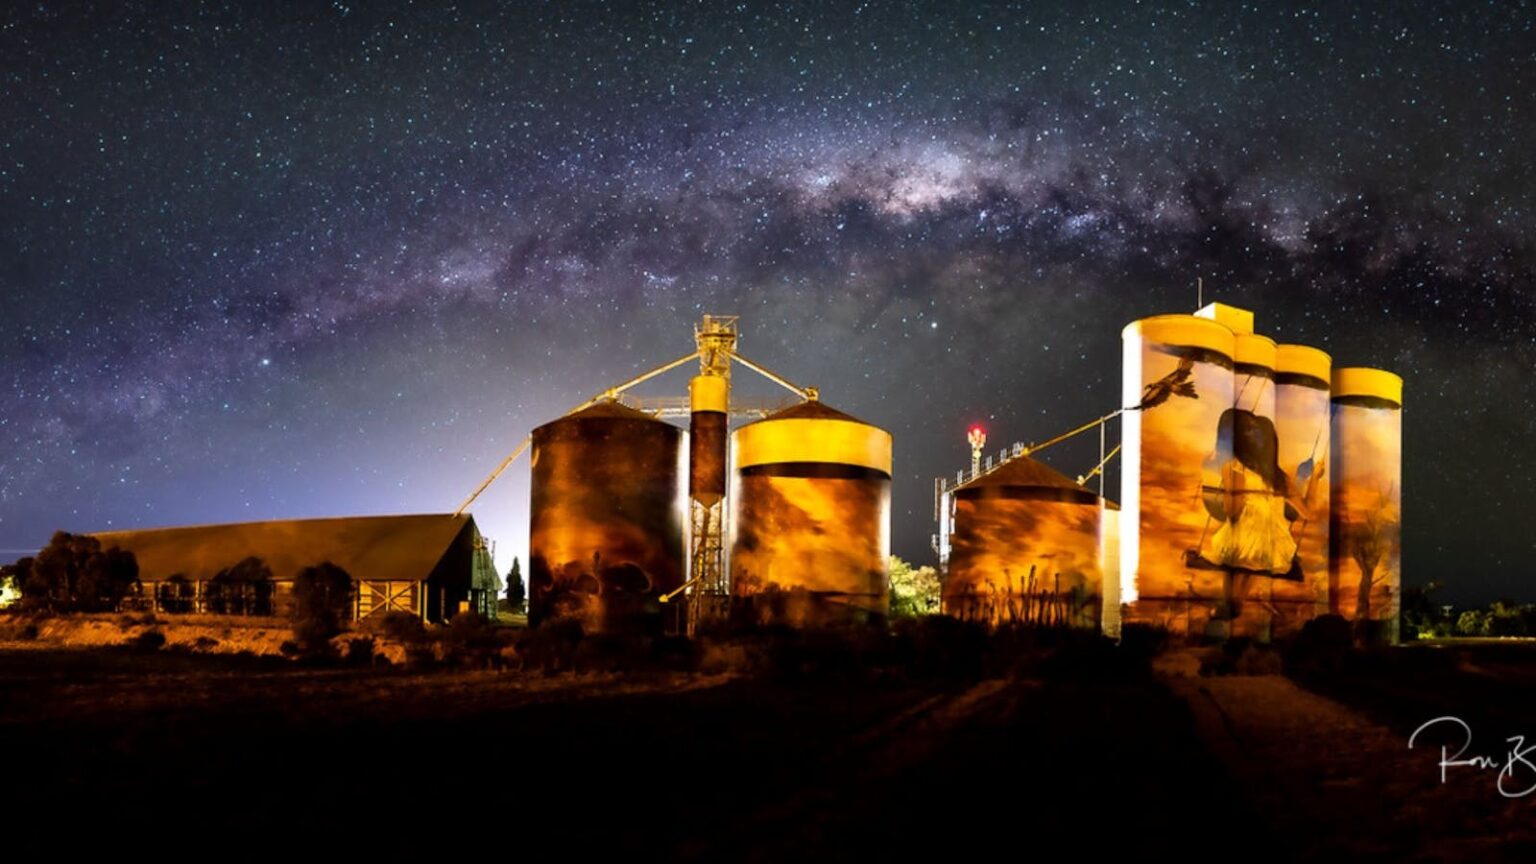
323 259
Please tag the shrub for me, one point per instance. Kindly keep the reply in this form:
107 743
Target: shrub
360 651
551 646
1322 646
322 596
149 640
398 626
470 639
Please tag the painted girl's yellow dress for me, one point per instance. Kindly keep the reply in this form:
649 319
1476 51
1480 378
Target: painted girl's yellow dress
1255 536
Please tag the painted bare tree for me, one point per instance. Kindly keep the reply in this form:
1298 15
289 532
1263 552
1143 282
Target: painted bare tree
1371 542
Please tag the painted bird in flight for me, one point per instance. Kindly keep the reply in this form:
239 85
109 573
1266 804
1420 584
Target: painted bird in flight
1175 383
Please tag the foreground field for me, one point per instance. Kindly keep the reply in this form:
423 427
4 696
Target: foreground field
246 757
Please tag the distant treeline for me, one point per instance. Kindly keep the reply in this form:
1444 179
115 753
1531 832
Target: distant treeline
1423 617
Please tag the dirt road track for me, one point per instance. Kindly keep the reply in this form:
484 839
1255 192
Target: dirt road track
1339 785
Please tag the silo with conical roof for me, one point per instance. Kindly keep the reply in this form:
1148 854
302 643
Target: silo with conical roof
810 527
1024 549
606 519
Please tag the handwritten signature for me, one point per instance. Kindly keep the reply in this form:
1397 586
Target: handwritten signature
1517 758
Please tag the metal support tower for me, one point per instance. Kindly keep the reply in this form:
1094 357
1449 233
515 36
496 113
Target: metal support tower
709 398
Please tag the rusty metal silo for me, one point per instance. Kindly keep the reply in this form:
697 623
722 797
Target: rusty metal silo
606 531
810 533
1025 549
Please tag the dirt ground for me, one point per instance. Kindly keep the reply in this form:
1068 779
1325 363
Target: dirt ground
247 757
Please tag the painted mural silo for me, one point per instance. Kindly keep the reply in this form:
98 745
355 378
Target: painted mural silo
1253 540
1302 418
810 533
1177 473
1024 549
606 529
1365 572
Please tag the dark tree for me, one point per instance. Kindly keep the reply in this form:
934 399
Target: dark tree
176 595
322 604
516 592
244 589
108 577
73 573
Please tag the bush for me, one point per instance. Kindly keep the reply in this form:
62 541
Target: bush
941 646
149 641
205 643
471 639
551 646
360 651
322 597
1143 640
1322 645
398 626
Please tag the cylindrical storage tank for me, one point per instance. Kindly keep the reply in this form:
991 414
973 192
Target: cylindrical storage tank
1252 538
810 533
1024 549
1109 566
1302 412
1178 380
605 537
1365 561
707 438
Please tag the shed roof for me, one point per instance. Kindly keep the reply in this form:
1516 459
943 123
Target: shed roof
405 548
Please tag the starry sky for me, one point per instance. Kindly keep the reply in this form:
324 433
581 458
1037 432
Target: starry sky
284 260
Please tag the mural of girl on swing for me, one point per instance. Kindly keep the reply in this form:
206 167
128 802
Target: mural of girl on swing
1250 500
1254 508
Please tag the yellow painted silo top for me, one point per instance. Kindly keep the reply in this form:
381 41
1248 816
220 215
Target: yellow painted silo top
708 393
1185 330
1360 381
812 432
1255 350
1304 360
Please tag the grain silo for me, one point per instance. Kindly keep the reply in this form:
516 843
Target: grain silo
1365 560
1252 538
606 533
1302 412
1178 381
810 532
1024 549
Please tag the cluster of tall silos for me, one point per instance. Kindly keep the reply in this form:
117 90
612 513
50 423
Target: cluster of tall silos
1257 483
809 503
